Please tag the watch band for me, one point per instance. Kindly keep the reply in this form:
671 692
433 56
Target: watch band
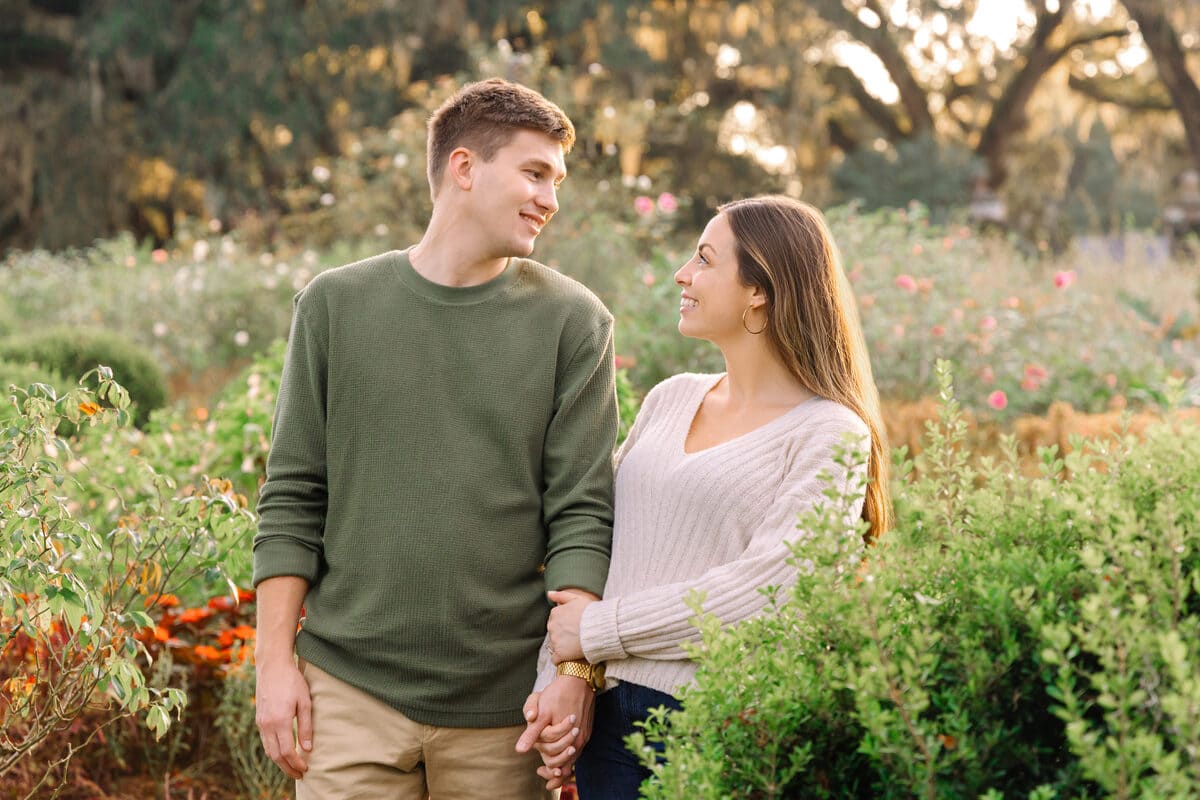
592 673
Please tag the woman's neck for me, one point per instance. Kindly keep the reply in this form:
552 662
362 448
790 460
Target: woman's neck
756 376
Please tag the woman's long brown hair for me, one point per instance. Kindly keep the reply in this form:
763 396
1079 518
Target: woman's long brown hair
785 248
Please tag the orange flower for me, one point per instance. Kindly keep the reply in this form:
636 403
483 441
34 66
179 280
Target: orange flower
225 638
162 600
161 634
245 595
88 407
191 615
210 653
244 632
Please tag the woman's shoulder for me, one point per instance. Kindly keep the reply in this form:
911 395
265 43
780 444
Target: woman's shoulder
684 383
830 420
678 389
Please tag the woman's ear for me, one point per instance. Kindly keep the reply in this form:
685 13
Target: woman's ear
758 298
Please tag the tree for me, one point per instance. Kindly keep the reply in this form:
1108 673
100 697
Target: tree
1170 58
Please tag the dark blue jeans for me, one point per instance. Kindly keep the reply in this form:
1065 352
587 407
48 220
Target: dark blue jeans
605 770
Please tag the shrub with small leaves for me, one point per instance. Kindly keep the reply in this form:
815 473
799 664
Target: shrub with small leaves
73 595
1012 637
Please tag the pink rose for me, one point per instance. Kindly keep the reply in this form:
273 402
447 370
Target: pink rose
906 282
938 330
643 205
667 203
159 256
998 400
1064 278
987 375
988 323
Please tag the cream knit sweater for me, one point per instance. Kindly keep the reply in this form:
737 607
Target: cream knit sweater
715 521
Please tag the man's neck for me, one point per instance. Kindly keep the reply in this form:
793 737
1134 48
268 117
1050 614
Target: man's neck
447 256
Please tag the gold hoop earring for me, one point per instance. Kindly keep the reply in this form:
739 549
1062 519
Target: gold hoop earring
747 327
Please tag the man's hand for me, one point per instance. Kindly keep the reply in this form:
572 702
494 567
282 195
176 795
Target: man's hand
563 626
559 725
282 696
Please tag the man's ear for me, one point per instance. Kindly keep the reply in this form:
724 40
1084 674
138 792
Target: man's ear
459 167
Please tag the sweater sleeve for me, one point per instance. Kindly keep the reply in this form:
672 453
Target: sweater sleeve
293 501
639 424
652 623
577 467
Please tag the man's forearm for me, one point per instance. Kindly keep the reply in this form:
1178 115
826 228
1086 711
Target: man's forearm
279 602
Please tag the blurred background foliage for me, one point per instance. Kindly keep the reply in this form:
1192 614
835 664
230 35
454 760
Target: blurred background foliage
279 117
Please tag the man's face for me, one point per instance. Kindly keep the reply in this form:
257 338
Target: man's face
514 195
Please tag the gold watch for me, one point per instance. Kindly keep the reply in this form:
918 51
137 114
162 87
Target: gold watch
592 673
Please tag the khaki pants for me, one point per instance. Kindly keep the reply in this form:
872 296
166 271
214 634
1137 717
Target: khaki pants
364 748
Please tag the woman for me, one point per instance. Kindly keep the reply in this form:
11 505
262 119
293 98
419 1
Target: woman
717 467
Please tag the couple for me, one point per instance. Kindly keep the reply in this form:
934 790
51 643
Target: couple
441 463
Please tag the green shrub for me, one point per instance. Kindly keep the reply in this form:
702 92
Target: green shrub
73 595
1012 637
73 352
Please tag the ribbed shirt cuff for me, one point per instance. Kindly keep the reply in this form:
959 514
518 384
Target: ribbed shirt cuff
582 570
274 559
598 634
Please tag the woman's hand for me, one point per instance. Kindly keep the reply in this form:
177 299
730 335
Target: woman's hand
563 626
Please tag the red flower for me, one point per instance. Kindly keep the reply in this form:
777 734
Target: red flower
998 400
1064 278
222 603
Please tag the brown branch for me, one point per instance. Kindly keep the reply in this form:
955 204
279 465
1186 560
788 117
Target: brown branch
913 98
1110 93
1090 38
1171 62
876 110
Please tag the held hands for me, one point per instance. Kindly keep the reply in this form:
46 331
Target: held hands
563 626
559 724
282 696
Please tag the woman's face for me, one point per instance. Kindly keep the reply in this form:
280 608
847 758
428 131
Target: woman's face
713 297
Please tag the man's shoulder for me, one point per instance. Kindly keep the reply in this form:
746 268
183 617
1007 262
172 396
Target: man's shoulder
553 287
353 277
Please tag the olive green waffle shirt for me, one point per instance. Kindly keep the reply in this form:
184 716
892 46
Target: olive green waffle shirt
433 448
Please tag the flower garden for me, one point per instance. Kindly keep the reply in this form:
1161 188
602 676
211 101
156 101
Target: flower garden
1029 630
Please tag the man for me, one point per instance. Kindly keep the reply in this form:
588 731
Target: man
443 435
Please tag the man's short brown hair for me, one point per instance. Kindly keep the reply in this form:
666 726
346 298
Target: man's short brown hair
484 116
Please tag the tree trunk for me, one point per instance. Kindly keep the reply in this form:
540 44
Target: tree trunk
1008 114
1171 63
